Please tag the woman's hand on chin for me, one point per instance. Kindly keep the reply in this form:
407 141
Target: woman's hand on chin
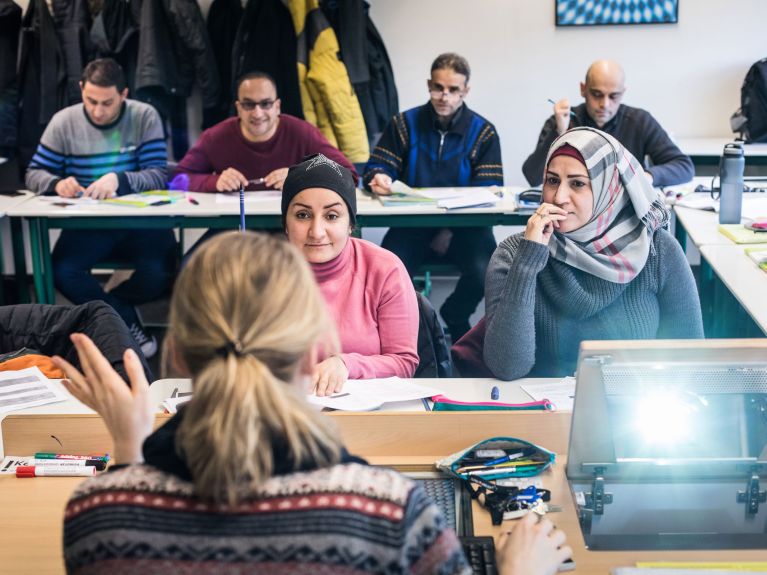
542 223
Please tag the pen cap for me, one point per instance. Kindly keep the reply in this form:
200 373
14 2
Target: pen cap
25 471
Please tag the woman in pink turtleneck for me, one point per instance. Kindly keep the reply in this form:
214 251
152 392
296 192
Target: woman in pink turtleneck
367 289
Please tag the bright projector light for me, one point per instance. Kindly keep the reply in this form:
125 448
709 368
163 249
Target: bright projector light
664 418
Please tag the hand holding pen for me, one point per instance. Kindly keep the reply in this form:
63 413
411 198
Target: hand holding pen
231 180
562 114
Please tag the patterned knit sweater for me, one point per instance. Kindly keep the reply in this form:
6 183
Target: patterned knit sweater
349 518
538 309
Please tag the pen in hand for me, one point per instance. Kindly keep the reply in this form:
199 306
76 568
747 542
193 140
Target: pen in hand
257 181
549 100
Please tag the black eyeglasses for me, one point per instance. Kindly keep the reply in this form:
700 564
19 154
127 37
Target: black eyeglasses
249 105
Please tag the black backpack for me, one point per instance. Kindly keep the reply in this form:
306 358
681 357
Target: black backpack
750 121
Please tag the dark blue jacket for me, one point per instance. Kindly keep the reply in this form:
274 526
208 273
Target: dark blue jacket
414 149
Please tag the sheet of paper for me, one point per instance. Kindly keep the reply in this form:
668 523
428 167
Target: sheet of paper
26 388
369 394
561 393
71 203
470 198
267 196
698 201
754 204
171 404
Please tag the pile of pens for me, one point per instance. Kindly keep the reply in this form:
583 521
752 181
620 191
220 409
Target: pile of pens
525 461
62 465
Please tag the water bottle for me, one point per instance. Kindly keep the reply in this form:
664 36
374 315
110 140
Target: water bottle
731 183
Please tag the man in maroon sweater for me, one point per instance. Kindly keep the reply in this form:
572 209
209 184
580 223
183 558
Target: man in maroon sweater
256 148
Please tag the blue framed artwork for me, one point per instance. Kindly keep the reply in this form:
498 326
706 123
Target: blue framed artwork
606 12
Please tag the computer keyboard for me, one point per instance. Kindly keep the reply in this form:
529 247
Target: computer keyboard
442 491
480 551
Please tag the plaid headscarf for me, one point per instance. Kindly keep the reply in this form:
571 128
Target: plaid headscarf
615 242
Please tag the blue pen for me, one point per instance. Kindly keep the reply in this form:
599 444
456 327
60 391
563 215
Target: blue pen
495 393
553 102
242 209
504 459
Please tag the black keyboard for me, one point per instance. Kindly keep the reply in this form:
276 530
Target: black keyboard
480 551
442 491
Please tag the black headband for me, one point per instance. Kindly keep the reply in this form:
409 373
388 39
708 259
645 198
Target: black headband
319 171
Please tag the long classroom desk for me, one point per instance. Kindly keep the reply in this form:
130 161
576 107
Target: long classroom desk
743 280
8 201
30 534
734 286
43 215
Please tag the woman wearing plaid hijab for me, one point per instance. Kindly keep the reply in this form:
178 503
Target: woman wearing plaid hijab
593 263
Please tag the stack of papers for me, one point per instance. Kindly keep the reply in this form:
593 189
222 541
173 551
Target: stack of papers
27 388
369 394
446 198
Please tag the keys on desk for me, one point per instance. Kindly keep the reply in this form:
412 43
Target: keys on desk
480 552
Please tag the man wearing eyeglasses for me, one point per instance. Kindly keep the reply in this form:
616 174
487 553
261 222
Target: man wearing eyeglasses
641 134
254 149
441 144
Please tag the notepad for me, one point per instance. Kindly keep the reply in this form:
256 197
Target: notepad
144 199
759 255
742 235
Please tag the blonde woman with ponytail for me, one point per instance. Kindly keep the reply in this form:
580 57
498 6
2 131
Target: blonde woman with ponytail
246 477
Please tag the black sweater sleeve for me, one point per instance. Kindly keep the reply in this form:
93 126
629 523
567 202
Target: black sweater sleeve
670 166
533 166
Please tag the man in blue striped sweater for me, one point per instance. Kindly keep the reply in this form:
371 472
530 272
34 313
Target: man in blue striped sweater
105 147
441 144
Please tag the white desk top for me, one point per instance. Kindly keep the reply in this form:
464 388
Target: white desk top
9 202
366 206
745 280
458 389
702 227
714 146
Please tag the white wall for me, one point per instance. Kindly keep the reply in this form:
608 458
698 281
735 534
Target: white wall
687 74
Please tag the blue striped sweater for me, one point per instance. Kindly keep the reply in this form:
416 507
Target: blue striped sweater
413 148
133 147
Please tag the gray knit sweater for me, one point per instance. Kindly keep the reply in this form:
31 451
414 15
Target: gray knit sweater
539 309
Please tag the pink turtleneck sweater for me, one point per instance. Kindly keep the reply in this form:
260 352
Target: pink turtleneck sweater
372 301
